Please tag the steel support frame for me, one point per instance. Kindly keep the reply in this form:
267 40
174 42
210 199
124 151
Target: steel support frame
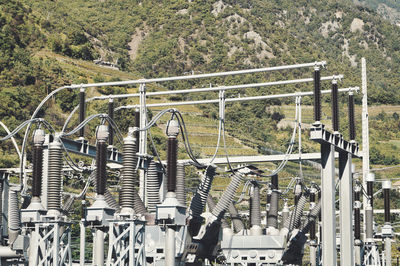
125 237
329 144
53 245
346 209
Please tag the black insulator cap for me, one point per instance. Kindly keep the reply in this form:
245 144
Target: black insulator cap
37 170
352 128
357 223
335 106
137 124
111 115
274 181
101 163
171 164
312 197
82 111
317 95
370 192
386 197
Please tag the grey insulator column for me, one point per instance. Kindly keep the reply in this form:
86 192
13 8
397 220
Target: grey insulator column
14 215
199 200
129 196
273 210
152 186
312 217
227 196
238 224
255 210
54 181
211 205
180 184
294 221
111 116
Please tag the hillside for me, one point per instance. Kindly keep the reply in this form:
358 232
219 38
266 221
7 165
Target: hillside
389 9
49 44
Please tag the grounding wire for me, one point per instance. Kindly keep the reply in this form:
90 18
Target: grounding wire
155 150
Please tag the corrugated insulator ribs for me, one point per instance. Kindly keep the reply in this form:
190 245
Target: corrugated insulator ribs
172 163
335 106
227 196
111 115
255 204
153 186
54 176
317 94
82 111
14 215
352 128
180 184
37 170
101 163
128 173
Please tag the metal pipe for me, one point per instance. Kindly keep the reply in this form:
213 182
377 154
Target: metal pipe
99 248
335 106
263 97
352 127
388 251
317 95
82 243
199 76
82 111
111 116
170 246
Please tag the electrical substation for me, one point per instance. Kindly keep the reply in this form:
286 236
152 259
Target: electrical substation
153 221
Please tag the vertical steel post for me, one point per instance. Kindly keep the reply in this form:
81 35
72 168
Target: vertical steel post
142 138
82 243
313 243
365 132
387 228
82 111
111 115
328 205
346 207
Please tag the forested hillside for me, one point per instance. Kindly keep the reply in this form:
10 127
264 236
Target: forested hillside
46 44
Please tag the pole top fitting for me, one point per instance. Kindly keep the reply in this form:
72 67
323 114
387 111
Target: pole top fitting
82 88
316 67
386 184
102 133
172 130
370 177
334 80
38 137
111 100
